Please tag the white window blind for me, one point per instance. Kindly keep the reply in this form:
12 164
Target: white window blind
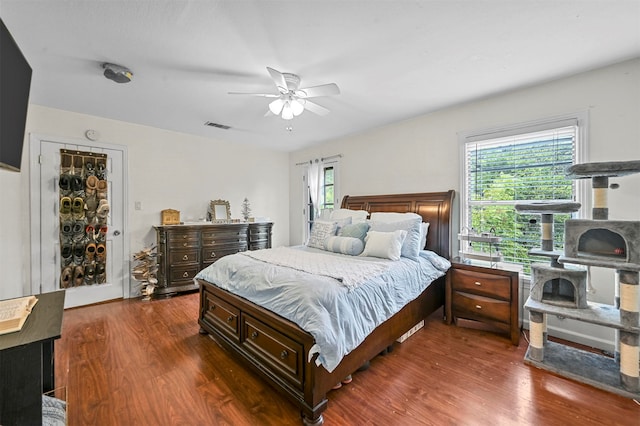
508 167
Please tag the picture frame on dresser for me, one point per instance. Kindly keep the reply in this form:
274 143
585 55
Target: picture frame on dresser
219 210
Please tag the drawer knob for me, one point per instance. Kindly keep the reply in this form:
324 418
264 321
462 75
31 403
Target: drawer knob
230 318
184 237
213 242
185 244
254 335
478 307
185 257
185 275
213 254
478 283
283 354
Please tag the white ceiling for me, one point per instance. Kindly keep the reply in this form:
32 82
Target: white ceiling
392 60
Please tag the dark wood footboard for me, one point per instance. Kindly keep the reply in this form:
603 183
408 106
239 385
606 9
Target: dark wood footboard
278 349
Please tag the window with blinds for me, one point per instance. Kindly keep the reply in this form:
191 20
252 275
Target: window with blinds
505 168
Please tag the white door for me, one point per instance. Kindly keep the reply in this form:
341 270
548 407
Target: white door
45 223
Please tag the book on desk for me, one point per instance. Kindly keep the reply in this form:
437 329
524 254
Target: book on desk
14 313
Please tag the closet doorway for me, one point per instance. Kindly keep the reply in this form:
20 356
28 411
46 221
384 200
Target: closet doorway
47 263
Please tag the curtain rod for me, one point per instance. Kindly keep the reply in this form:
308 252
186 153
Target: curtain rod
321 159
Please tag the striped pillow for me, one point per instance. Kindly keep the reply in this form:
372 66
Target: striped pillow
344 245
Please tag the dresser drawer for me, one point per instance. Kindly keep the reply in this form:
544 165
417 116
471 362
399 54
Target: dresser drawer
180 257
261 236
259 245
213 238
183 239
474 306
274 349
494 286
222 315
183 273
211 254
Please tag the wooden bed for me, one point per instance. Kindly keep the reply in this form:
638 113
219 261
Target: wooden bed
277 349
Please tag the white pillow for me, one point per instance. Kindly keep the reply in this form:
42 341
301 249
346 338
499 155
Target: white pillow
386 245
345 245
411 245
320 231
356 216
393 216
424 230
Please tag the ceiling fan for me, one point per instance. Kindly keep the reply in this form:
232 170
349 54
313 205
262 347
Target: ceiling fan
292 99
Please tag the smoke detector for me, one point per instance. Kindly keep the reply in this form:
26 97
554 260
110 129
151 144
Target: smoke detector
117 73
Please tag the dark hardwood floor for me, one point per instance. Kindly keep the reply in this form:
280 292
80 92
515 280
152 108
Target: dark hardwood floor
133 362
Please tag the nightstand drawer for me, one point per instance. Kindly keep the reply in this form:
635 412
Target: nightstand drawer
493 286
474 306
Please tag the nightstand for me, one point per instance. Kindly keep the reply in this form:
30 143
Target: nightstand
484 295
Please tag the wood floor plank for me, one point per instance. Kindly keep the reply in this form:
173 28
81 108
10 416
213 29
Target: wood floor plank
144 363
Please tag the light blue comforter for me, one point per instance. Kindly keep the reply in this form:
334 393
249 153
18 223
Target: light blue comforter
338 318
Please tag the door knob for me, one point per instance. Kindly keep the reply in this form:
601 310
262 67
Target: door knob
116 232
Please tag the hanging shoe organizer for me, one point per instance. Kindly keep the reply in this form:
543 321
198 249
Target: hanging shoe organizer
84 210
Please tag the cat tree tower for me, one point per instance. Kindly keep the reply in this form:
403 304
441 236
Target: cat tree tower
561 290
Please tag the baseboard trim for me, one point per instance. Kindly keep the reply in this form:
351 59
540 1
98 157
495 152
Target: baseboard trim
598 342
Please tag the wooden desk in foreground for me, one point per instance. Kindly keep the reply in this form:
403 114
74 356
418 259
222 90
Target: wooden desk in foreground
27 362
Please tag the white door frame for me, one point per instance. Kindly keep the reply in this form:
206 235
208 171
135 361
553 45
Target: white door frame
35 207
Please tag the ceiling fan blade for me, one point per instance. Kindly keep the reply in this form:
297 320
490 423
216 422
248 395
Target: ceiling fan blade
315 108
279 80
262 95
315 91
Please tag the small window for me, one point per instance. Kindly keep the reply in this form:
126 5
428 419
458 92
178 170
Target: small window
328 195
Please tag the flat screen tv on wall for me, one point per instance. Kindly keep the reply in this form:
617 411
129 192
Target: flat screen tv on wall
15 83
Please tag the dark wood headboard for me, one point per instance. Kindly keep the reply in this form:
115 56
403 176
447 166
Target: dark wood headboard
434 207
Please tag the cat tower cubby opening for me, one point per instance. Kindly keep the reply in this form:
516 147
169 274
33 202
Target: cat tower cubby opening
561 288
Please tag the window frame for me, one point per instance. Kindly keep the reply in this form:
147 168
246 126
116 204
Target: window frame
581 186
307 220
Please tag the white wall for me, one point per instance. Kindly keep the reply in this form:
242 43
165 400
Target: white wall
423 154
166 170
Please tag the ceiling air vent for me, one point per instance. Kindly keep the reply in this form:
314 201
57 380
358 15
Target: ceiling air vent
219 126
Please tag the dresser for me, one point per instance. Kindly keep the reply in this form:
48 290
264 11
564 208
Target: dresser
484 295
184 250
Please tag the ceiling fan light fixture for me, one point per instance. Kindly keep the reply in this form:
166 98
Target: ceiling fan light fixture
287 111
297 107
276 106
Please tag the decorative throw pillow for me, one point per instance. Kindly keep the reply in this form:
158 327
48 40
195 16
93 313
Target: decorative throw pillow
320 231
340 223
355 230
386 245
344 245
411 245
355 215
